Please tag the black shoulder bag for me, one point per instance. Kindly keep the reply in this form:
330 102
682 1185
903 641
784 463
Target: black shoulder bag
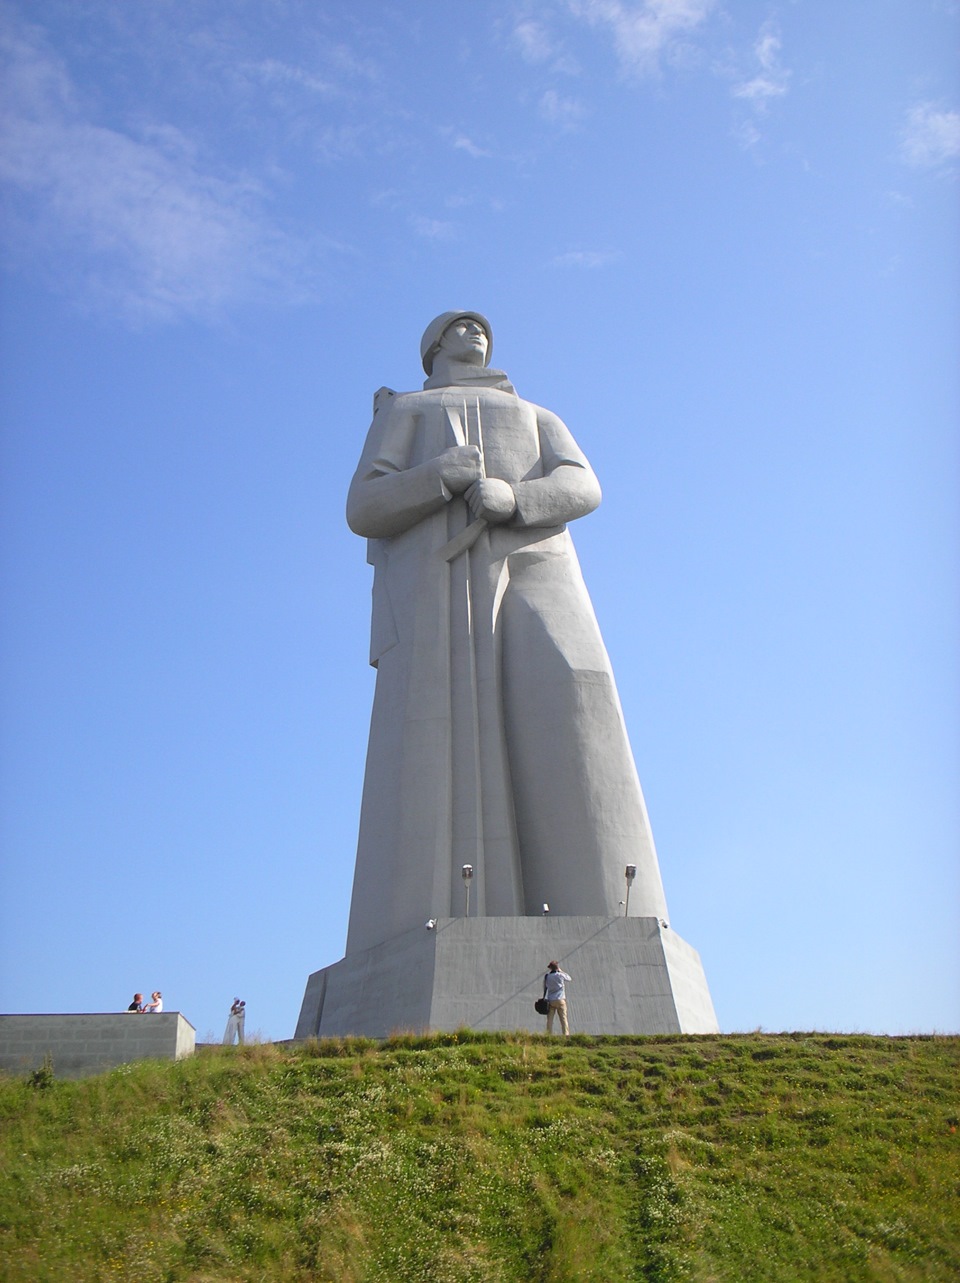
541 1005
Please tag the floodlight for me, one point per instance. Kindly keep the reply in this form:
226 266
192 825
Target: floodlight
630 872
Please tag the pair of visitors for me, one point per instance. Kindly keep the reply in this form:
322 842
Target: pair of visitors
155 1005
238 1011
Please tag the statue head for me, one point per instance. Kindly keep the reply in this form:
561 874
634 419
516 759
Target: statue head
432 335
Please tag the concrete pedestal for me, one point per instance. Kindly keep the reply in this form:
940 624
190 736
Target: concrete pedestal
88 1044
629 976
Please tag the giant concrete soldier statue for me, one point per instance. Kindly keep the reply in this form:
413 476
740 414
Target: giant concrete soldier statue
497 739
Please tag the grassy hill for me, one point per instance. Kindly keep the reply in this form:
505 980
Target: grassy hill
493 1158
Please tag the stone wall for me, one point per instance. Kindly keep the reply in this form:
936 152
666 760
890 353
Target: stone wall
88 1044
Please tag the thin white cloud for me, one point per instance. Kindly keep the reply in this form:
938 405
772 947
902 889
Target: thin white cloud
462 143
772 79
434 229
144 227
538 46
589 258
533 41
930 136
766 81
900 200
274 73
333 80
560 110
747 134
344 59
644 33
334 142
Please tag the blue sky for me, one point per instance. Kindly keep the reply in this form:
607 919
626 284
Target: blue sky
719 239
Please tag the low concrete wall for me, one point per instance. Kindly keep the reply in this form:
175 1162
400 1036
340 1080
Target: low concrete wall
88 1044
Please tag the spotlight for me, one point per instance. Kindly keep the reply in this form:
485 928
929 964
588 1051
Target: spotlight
630 872
546 910
431 924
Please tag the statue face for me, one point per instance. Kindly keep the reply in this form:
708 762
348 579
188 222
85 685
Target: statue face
465 340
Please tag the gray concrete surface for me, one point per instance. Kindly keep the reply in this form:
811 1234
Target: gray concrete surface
497 738
629 976
90 1043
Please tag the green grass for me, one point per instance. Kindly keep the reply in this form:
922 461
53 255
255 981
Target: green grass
494 1158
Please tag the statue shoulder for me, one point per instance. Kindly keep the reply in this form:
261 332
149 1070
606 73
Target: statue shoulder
539 409
387 400
548 419
381 399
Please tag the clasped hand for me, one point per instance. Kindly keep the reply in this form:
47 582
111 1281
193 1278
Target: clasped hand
461 470
491 499
459 467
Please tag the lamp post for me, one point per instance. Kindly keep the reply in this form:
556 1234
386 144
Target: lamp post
466 873
630 872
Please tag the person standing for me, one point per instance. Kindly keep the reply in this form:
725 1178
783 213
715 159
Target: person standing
556 996
235 1023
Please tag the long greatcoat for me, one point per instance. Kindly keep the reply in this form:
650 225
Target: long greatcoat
497 738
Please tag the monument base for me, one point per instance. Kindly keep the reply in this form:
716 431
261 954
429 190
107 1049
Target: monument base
629 976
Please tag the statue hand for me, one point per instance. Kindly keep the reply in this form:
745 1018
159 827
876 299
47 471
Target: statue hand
459 467
491 499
